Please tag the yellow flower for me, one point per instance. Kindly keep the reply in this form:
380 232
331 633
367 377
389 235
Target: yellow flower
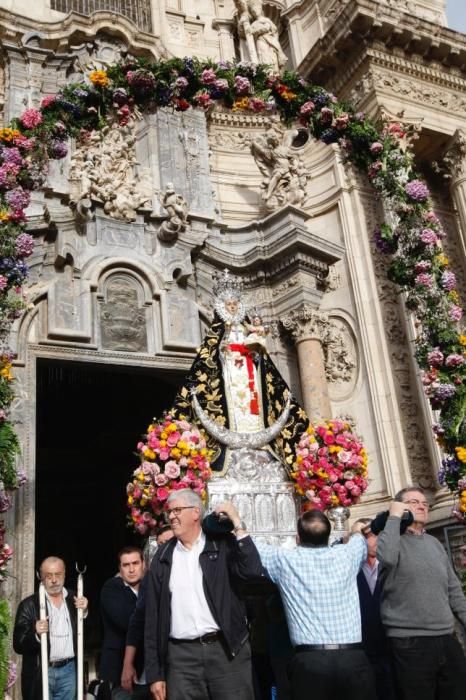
322 473
141 476
240 104
182 445
454 296
442 259
163 435
99 78
299 459
147 452
175 452
8 134
130 500
335 500
462 339
204 451
143 502
150 428
4 215
335 448
461 453
171 428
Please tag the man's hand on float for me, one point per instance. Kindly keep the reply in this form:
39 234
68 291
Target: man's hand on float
159 690
228 509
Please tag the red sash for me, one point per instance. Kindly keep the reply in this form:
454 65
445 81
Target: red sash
245 352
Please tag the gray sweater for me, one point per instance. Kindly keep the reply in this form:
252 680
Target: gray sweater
420 593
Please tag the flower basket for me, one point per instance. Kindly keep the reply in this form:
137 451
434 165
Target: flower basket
330 467
174 456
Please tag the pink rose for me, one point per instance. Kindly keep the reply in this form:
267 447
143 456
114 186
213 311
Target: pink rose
162 493
172 470
160 480
164 454
172 439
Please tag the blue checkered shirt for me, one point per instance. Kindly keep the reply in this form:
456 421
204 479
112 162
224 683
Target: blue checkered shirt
319 590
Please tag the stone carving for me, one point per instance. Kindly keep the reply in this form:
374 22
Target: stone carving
122 321
421 92
258 35
454 159
103 170
284 173
177 208
306 323
339 353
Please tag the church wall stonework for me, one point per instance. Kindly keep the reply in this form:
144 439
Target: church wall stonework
109 285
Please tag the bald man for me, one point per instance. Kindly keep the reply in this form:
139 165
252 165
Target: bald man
60 628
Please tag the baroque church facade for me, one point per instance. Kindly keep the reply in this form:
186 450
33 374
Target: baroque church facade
131 229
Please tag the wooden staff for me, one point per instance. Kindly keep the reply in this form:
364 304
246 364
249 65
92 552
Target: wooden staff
80 640
44 657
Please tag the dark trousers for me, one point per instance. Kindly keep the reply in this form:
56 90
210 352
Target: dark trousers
207 672
383 677
332 674
428 668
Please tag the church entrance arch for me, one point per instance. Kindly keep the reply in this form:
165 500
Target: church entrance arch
89 419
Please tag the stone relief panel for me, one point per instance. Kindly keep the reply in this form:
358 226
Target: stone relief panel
183 151
340 357
122 317
103 169
183 320
69 307
401 363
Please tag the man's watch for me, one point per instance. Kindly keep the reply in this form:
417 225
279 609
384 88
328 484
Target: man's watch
241 526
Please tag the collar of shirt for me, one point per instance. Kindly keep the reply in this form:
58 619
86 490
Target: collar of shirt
411 531
197 545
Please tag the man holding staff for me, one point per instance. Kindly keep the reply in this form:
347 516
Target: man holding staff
60 626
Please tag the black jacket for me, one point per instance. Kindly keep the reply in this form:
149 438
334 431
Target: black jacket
225 563
25 642
373 632
117 603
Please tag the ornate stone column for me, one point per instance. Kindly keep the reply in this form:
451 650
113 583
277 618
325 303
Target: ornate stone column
455 162
309 328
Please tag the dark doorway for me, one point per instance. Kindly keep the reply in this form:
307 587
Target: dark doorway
89 420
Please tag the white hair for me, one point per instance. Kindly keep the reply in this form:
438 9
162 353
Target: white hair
190 497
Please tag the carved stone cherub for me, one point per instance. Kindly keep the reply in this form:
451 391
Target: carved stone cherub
177 208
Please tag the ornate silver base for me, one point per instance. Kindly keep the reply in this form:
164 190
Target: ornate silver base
257 485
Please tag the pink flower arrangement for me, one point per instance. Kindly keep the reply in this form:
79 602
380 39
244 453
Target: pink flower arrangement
174 456
242 85
307 108
208 76
31 118
330 466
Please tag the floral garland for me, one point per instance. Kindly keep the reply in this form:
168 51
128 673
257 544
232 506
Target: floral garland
330 468
173 456
413 240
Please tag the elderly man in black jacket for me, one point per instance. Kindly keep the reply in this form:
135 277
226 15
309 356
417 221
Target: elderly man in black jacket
196 634
60 626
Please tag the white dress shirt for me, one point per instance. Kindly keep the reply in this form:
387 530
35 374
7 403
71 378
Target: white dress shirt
60 630
190 612
370 572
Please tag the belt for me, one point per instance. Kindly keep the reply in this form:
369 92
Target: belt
60 662
208 638
328 647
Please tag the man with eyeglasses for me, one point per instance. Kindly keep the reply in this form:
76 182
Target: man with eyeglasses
60 626
196 634
421 596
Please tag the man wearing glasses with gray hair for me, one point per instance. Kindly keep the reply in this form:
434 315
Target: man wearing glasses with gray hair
421 596
196 634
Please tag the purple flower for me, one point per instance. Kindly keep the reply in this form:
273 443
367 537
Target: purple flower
224 65
424 280
374 168
82 94
11 155
242 85
455 312
221 84
321 99
329 136
8 174
454 360
21 477
444 391
18 198
208 76
435 357
24 245
58 149
383 243
428 236
5 501
417 190
448 280
142 81
12 674
376 147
